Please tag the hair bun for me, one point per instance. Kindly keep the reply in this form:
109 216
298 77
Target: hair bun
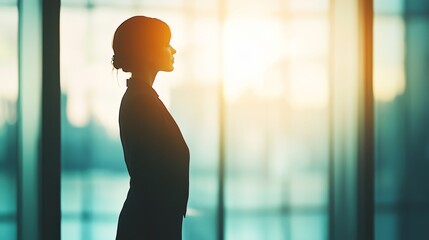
115 62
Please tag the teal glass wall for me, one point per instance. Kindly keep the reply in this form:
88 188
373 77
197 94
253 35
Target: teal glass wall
402 112
8 118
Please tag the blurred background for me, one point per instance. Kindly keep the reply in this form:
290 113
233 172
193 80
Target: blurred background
255 77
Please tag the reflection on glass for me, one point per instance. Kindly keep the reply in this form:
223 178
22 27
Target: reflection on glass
8 120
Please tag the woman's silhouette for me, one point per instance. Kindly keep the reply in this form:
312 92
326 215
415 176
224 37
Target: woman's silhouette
155 152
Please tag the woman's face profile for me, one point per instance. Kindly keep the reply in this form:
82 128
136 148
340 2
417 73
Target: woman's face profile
166 58
161 59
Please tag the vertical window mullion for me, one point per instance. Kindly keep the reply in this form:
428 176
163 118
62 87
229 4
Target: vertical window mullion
222 121
50 162
38 121
365 166
351 127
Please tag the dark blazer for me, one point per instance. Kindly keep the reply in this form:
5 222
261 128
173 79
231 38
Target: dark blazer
156 156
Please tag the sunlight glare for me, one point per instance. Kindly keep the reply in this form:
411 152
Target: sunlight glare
251 47
308 86
389 69
274 60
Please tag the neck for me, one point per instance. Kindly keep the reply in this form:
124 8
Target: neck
146 76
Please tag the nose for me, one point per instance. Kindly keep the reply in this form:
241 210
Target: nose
173 51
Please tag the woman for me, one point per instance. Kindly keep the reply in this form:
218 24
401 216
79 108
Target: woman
156 155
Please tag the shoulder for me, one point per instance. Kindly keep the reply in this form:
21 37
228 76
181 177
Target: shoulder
133 100
139 105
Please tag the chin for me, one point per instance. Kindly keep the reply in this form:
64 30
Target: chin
169 69
166 67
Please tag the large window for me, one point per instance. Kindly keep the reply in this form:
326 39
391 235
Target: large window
8 118
268 95
274 78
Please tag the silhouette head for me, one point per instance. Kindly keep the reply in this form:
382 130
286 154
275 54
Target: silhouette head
142 43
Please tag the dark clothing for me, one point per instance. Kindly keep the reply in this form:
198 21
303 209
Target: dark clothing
157 160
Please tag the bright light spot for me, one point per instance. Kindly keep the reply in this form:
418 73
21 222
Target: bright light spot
8 65
261 55
309 5
77 110
306 39
308 86
251 47
389 82
389 54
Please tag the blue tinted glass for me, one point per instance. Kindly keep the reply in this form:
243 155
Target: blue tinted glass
400 78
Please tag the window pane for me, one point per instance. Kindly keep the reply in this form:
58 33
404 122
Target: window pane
402 112
276 125
8 120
